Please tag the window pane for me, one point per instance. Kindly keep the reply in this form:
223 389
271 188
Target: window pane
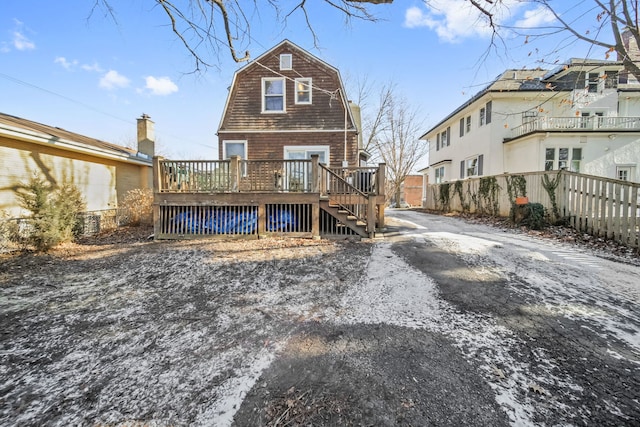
274 87
577 154
563 154
273 103
235 149
550 154
548 165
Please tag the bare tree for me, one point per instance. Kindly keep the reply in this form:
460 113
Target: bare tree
609 24
393 138
207 27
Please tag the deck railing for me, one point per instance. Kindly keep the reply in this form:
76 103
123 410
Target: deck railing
577 123
189 193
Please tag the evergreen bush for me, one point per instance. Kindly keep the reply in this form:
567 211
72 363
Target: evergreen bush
54 212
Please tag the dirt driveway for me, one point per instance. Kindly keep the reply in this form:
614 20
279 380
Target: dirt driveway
443 322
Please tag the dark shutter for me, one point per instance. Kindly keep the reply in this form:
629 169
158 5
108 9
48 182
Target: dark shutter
488 113
480 162
449 135
437 141
462 169
461 127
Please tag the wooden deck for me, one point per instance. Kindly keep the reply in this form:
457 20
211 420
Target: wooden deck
256 198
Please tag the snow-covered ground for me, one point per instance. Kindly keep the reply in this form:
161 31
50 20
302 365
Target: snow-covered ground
178 333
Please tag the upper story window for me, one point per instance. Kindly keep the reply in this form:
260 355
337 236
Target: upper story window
483 116
488 112
303 91
592 82
273 95
610 79
286 61
465 125
443 139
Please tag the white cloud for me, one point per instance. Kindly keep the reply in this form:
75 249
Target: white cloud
454 20
160 85
93 67
21 42
113 80
537 17
64 63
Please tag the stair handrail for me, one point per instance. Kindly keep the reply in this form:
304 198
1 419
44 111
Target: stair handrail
353 190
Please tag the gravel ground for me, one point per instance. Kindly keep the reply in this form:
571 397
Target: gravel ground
445 321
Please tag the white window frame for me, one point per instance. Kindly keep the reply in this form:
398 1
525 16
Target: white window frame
283 95
467 162
439 174
225 156
483 116
306 150
286 62
468 124
569 163
629 169
308 82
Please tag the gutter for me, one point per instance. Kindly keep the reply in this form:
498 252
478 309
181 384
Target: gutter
22 134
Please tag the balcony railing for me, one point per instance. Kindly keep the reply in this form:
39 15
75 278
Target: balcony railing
590 123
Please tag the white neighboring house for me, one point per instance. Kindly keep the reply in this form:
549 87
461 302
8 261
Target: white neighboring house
583 116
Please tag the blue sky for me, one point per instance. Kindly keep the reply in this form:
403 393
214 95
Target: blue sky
91 75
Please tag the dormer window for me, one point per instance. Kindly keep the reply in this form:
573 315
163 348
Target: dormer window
286 62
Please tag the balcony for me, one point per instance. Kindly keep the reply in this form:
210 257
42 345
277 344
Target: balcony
576 124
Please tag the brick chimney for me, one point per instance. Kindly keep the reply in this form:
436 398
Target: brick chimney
630 45
146 136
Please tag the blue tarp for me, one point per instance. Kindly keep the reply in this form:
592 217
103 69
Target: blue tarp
225 221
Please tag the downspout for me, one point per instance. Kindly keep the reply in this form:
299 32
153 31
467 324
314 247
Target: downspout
345 162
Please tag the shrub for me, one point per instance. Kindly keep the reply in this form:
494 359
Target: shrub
534 217
137 207
9 231
54 212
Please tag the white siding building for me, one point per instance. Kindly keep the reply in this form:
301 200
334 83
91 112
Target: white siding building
583 116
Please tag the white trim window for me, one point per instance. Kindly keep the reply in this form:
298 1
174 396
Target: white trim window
471 167
297 175
303 91
273 95
234 148
286 62
562 158
439 175
625 172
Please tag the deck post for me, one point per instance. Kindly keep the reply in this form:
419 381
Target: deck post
262 220
315 220
371 216
157 186
380 190
234 173
315 173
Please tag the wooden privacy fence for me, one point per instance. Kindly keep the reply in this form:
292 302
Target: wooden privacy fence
595 205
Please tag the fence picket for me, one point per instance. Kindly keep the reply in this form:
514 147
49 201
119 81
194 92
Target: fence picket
599 206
